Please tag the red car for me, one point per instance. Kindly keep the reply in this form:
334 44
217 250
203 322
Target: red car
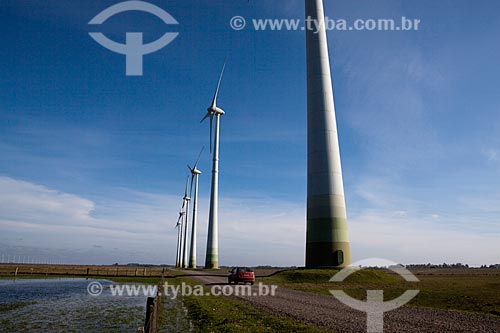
241 274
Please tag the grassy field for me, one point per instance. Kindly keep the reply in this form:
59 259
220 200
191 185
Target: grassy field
207 313
37 270
226 314
470 290
9 270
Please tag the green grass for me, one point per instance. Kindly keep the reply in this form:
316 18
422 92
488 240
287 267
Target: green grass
127 279
34 276
463 290
225 314
220 314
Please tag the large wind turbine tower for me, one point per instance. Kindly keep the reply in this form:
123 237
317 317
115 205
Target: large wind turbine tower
212 255
327 240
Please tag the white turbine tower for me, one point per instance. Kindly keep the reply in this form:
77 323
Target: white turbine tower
327 239
185 206
212 256
179 239
194 178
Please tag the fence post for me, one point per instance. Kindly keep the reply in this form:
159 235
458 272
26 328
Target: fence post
150 325
152 309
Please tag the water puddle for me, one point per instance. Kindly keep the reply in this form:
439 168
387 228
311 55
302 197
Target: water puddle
65 305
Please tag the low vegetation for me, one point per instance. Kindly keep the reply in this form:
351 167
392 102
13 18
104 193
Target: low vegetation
225 314
470 290
80 270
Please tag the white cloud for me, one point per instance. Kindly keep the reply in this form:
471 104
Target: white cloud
44 217
490 154
25 201
401 223
257 230
140 227
399 213
417 239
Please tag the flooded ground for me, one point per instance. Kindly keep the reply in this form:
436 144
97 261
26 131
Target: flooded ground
174 318
56 305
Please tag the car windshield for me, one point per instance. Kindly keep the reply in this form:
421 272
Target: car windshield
246 269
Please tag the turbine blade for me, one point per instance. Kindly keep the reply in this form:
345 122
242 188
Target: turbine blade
198 159
211 123
206 116
187 183
191 190
214 101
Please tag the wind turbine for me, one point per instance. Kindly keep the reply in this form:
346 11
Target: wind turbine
327 238
194 178
212 256
185 206
179 239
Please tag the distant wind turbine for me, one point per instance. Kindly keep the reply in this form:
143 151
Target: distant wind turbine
179 239
212 256
185 206
194 178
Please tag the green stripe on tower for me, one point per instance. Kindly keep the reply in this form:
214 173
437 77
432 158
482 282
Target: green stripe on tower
212 260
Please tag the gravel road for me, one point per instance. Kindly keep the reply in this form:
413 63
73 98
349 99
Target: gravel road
327 312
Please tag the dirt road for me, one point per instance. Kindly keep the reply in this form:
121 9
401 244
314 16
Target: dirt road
327 312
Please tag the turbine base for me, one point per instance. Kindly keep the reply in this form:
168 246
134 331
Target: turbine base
328 254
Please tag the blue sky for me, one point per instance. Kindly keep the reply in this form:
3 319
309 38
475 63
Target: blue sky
93 162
